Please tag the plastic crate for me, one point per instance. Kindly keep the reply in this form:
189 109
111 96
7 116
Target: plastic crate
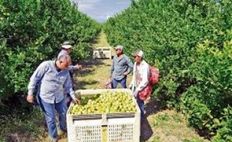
102 53
111 127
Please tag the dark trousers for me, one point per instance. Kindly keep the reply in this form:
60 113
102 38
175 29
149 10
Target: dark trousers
115 83
141 106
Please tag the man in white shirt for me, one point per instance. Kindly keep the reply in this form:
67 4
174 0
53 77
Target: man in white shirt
139 78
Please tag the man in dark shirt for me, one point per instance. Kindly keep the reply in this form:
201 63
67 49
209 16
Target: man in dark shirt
121 67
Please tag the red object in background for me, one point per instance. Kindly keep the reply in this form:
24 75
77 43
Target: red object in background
153 79
146 92
154 76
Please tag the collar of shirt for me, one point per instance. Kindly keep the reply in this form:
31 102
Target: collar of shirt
119 58
56 67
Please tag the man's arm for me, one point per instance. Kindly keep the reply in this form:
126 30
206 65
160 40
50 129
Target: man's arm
76 67
130 66
112 69
68 87
132 84
35 80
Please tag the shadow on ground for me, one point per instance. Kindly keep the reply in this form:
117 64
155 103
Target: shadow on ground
93 74
146 130
87 66
90 62
82 84
152 106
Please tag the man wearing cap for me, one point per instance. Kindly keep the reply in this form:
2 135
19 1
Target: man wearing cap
121 67
66 50
139 78
52 79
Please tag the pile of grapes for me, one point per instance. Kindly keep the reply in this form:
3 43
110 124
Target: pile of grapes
108 102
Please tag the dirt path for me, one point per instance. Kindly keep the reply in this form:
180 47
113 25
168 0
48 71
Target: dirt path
94 74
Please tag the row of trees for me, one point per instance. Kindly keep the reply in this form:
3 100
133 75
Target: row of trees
32 31
191 43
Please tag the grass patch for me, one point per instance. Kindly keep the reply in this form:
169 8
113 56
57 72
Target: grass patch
21 126
168 125
93 75
101 40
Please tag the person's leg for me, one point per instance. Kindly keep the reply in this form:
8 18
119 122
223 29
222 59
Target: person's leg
123 82
68 100
141 106
39 103
114 83
61 108
49 113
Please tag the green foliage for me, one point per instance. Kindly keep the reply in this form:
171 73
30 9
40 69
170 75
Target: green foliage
190 42
32 31
27 126
198 114
224 134
205 101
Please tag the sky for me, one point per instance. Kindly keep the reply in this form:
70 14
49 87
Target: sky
101 10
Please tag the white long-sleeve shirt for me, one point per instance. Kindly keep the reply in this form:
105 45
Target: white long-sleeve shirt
140 76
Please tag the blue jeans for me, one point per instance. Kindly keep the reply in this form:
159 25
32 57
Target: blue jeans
50 116
68 100
122 82
141 106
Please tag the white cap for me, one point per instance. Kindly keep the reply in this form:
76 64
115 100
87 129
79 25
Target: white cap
66 46
119 47
139 53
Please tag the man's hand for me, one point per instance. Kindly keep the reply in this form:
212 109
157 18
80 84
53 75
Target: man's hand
135 93
108 84
125 73
130 86
78 66
75 100
30 98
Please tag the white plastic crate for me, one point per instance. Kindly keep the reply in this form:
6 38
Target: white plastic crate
102 53
115 127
